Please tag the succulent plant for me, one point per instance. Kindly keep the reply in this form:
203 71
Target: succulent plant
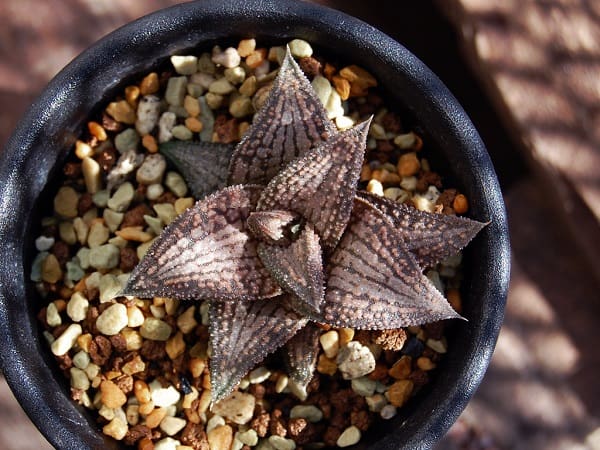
281 240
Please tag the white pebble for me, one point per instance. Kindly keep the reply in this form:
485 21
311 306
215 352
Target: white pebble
388 411
308 412
77 307
161 396
259 375
176 184
222 86
355 360
135 317
376 402
122 198
214 422
104 256
52 315
322 88
349 436
182 133
202 79
300 48
185 65
65 341
281 443
97 235
127 140
81 359
112 320
364 386
165 124
152 169
176 90
172 425
167 443
148 112
154 191
112 219
44 243
238 407
248 437
155 329
79 379
409 183
227 58
83 254
334 105
109 287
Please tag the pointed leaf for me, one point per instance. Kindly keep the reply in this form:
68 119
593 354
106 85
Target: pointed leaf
273 227
301 353
321 185
430 237
204 165
242 334
374 282
206 252
291 122
298 268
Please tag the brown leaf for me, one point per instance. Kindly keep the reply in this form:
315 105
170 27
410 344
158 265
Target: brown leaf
301 354
206 252
273 227
429 237
291 122
321 185
298 268
204 165
373 280
242 334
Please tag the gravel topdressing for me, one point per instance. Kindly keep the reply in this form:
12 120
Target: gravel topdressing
141 365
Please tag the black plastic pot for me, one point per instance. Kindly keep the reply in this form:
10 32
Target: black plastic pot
46 133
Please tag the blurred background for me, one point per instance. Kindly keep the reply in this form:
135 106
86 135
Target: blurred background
528 74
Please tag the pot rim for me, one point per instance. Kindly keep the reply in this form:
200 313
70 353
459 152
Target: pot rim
53 123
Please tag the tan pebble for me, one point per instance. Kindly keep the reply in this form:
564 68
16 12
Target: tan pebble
97 131
149 143
191 105
188 399
136 365
194 125
246 46
145 444
241 107
204 401
122 112
196 366
116 429
141 391
256 58
454 298
249 86
243 128
220 437
111 395
154 419
175 345
437 345
401 368
92 175
460 204
330 342
408 164
136 234
98 234
132 93
399 392
84 341
155 329
346 335
146 408
342 86
424 363
359 76
65 202
83 149
149 84
51 271
133 339
365 173
326 365
375 187
186 321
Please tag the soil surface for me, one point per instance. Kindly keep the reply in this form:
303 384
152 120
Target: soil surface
541 391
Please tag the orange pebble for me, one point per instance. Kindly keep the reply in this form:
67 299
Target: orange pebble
460 204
